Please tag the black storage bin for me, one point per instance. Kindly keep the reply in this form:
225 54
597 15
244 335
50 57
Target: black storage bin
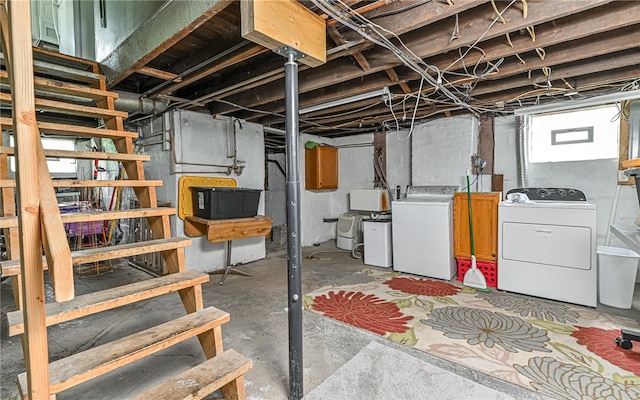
225 203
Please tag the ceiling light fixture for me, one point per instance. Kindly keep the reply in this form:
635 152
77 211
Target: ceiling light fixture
570 105
384 93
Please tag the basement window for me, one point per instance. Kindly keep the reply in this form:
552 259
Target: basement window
576 135
58 167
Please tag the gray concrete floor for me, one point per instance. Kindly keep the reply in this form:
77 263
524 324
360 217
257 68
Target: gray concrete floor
258 329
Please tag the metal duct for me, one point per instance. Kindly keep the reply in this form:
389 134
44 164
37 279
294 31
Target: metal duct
521 152
129 102
134 104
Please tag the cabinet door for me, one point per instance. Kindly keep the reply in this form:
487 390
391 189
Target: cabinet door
321 168
484 210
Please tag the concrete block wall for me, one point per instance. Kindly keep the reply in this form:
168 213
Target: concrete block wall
441 151
597 178
355 170
200 139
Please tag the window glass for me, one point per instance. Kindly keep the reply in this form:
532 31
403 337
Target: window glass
57 166
586 134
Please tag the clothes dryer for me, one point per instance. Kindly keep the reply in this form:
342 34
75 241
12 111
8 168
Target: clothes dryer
547 245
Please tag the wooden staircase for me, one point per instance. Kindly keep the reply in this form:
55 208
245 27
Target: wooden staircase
51 75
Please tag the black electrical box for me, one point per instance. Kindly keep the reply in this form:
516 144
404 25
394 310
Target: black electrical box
224 202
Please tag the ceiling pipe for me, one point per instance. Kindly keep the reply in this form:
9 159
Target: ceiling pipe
135 104
132 103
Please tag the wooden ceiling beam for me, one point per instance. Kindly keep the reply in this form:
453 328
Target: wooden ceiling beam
566 30
586 83
156 73
368 84
420 16
556 32
339 40
393 75
239 56
158 35
382 112
429 13
608 62
423 44
571 51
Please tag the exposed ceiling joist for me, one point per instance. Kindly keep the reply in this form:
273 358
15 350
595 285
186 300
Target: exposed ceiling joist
424 44
170 25
462 47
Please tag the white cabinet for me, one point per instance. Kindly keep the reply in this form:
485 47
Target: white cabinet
377 243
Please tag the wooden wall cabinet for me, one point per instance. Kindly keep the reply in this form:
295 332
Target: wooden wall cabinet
321 168
484 209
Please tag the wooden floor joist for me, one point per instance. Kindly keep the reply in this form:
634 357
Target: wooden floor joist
96 302
81 367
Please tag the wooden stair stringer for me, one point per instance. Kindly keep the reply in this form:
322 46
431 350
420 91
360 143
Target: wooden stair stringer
90 84
147 197
81 367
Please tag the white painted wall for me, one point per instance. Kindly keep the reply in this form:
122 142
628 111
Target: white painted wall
275 194
200 139
76 28
505 161
597 178
442 149
355 171
439 153
122 17
398 161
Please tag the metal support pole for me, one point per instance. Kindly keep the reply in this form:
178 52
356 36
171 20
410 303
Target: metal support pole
294 250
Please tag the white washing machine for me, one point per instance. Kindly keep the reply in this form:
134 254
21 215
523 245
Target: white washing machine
547 245
423 232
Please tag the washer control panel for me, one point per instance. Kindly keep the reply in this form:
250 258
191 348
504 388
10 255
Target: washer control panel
431 190
551 194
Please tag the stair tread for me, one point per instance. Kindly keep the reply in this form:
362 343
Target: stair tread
202 379
41 54
58 183
81 367
102 215
54 86
108 299
12 267
62 71
70 108
84 155
75 130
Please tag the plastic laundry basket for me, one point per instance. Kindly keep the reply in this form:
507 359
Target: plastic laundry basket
617 270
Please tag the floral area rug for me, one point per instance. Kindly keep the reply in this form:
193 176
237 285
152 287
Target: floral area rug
558 349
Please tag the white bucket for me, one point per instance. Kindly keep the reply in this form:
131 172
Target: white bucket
617 270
